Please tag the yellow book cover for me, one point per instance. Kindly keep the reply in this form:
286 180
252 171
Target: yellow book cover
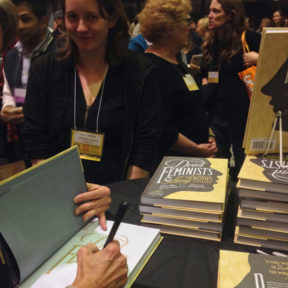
188 182
270 94
264 174
247 270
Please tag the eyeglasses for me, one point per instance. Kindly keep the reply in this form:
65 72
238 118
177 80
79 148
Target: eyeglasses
188 20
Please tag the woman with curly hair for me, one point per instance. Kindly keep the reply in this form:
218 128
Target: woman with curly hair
165 23
223 59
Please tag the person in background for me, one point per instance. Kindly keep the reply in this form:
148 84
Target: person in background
165 23
265 22
35 39
202 27
58 23
223 58
278 18
106 268
107 95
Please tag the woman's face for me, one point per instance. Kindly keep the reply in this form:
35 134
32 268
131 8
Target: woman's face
180 34
85 25
276 18
217 16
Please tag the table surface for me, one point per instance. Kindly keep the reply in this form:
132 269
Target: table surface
178 261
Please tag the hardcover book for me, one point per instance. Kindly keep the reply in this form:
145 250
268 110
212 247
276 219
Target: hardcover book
253 270
261 233
180 231
266 225
196 225
261 242
261 195
180 214
264 206
44 222
189 183
136 242
269 94
261 215
263 174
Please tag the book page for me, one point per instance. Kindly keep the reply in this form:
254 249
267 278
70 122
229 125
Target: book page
60 270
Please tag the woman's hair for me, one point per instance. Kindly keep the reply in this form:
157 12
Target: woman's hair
282 21
118 36
9 23
159 15
230 44
267 21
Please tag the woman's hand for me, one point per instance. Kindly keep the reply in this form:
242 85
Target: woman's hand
207 149
13 115
96 201
250 58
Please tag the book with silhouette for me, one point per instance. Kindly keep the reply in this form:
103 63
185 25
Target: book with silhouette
264 173
195 184
270 94
187 196
253 270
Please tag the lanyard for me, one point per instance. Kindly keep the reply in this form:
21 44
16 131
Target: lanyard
100 101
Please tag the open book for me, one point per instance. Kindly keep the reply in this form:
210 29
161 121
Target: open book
37 217
137 244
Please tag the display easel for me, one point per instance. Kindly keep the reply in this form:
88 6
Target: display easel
278 118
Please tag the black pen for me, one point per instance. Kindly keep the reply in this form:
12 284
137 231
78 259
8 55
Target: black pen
119 216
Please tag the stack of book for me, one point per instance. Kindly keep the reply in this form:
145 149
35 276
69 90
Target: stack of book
187 197
262 218
253 270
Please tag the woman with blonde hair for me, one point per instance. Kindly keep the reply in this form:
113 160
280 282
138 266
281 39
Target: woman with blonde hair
165 23
203 27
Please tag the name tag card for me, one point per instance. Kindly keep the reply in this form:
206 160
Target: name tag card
213 77
19 95
190 82
90 144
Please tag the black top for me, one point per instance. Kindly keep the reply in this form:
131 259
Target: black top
130 123
182 110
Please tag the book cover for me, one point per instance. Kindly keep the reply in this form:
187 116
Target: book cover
264 174
180 214
41 196
137 244
253 270
189 183
269 94
261 215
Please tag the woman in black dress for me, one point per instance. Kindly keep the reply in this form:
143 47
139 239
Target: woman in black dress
165 23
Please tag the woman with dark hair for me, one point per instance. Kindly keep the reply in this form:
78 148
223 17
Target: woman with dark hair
223 59
278 19
95 94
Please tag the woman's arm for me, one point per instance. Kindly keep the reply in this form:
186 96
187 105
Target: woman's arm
135 172
186 146
36 114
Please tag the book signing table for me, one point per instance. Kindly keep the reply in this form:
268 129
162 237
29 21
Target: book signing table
178 261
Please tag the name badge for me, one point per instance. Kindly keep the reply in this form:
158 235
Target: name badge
213 77
90 144
19 95
190 82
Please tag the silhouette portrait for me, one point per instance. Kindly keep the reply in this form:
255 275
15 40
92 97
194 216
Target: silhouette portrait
277 88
